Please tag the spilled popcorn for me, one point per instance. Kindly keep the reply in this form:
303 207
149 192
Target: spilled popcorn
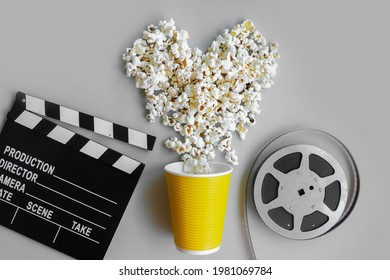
205 97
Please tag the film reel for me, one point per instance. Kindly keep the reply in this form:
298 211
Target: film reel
305 183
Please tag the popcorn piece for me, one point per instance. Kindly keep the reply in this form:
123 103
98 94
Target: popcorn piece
241 130
203 96
231 156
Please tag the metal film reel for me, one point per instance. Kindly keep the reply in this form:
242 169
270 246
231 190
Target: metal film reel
300 191
303 184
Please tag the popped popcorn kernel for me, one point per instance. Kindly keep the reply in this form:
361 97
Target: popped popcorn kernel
204 97
248 25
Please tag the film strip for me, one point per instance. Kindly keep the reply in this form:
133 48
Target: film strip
86 121
60 188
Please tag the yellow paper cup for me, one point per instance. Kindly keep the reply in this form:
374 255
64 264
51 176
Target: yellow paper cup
198 206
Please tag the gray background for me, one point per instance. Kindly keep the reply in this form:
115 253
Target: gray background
333 75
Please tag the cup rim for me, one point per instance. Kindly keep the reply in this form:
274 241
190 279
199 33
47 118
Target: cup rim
227 170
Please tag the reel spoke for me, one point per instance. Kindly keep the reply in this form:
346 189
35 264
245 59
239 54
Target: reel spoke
278 175
325 210
326 181
304 162
273 204
298 218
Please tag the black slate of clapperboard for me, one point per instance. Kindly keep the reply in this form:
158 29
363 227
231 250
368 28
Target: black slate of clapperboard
69 203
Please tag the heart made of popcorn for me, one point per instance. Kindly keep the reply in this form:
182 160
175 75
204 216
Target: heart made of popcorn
205 97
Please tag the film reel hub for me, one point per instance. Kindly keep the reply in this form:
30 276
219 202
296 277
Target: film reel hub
299 193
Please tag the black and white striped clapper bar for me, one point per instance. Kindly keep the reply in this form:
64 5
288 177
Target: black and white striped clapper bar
60 188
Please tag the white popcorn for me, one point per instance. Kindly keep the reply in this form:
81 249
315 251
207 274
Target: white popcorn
231 156
241 130
203 96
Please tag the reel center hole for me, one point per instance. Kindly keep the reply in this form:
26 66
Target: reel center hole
302 191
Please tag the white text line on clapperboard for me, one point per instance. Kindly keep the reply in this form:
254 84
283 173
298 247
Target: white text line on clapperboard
29 175
23 173
26 159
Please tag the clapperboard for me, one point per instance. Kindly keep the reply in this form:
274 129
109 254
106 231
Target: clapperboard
60 188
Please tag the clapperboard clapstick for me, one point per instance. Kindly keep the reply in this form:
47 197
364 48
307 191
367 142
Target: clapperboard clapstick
60 188
86 121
